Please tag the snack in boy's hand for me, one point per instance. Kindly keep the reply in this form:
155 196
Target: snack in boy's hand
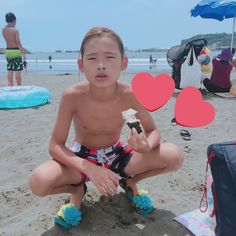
131 120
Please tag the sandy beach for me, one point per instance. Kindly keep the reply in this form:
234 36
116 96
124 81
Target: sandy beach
24 139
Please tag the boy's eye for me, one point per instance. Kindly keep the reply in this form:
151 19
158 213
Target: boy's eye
110 57
91 58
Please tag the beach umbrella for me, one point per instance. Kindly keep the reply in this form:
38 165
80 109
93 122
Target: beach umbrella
216 9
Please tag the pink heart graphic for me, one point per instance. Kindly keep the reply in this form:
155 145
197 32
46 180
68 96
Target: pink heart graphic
191 110
152 93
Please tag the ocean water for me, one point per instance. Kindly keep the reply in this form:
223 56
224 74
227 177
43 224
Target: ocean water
67 62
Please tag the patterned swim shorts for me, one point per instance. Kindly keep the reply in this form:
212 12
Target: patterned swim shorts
114 158
14 59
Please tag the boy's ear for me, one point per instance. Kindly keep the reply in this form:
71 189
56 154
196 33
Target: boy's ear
124 63
80 64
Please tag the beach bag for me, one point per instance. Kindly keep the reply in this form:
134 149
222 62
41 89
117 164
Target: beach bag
222 161
190 71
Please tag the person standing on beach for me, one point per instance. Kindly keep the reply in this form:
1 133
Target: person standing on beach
25 64
50 58
96 107
14 50
150 59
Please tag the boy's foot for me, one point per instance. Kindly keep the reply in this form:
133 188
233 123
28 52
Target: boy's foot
69 215
139 199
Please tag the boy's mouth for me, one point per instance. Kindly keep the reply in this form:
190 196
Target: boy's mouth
101 77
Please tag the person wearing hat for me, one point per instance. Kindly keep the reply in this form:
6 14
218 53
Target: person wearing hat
220 77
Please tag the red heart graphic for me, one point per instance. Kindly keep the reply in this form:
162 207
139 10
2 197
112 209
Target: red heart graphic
191 110
152 92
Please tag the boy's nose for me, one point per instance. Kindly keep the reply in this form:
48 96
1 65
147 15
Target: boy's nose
101 66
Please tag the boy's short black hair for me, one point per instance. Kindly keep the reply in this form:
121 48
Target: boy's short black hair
10 17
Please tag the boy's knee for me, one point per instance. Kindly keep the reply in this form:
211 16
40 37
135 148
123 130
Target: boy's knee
175 157
38 183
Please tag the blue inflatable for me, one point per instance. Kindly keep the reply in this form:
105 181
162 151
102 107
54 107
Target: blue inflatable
23 96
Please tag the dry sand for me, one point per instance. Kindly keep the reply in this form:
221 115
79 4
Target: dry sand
24 142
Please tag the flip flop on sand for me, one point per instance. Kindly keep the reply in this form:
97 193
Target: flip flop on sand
173 122
203 91
69 215
141 203
187 149
185 134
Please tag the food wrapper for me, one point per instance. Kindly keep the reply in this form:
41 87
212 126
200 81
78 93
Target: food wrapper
131 120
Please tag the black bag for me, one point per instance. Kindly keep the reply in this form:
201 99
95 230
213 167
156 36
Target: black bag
222 161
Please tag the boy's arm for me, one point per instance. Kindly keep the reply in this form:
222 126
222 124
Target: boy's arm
57 147
18 42
150 130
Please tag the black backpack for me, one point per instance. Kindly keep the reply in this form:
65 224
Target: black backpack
222 161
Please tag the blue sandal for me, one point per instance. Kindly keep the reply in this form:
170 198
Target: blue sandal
69 215
142 202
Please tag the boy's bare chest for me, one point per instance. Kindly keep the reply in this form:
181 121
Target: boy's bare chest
101 119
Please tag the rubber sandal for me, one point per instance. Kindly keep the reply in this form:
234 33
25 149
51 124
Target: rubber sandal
185 134
69 215
203 91
173 122
141 203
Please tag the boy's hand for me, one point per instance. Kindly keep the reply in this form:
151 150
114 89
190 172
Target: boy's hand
138 142
105 180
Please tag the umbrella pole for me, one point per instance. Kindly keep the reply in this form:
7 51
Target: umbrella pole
232 37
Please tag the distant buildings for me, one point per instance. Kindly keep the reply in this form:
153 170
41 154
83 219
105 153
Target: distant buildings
67 51
125 48
149 50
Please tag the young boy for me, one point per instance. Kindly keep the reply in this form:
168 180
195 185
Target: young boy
14 50
95 107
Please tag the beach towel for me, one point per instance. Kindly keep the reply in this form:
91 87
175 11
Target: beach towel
200 223
191 71
225 95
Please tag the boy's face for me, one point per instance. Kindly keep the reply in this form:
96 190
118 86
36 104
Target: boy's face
102 61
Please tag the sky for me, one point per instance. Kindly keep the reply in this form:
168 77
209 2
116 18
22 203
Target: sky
49 25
